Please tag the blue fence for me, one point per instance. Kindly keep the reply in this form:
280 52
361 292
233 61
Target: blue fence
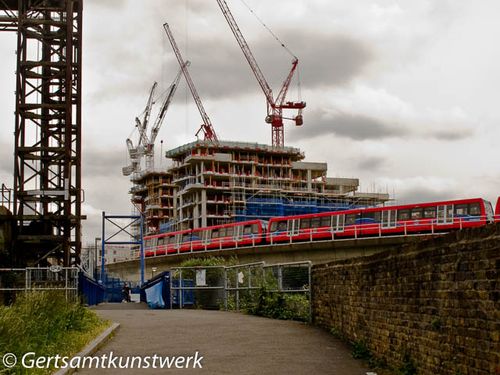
92 292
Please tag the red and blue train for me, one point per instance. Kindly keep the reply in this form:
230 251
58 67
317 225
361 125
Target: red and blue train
434 217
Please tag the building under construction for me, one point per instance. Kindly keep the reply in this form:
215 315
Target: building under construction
209 184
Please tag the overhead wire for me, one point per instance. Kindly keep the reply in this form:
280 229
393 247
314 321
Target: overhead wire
269 29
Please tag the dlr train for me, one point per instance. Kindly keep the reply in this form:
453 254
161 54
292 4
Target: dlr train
434 217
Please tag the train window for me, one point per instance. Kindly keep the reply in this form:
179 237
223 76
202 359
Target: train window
305 223
282 226
350 219
461 209
403 214
315 222
326 221
255 228
222 232
273 226
161 241
376 216
368 215
186 238
416 213
215 233
429 212
247 229
230 231
475 209
148 243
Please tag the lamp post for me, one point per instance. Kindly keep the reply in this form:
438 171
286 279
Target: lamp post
96 241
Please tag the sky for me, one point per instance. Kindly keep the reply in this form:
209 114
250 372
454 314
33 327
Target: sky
400 94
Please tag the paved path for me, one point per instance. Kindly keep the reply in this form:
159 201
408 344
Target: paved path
230 343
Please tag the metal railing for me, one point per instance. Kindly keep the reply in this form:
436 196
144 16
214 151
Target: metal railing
422 227
55 278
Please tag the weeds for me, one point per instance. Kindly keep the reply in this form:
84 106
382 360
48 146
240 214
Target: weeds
46 324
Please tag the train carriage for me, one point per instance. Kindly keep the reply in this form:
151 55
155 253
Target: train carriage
497 210
390 220
209 238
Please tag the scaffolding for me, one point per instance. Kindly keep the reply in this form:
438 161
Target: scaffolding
236 181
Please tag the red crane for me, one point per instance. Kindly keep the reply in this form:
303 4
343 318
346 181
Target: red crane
276 106
206 127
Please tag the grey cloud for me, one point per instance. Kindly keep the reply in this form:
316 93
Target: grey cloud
416 195
222 71
356 127
453 134
103 162
371 163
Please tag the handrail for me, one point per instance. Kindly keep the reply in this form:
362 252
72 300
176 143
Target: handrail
431 226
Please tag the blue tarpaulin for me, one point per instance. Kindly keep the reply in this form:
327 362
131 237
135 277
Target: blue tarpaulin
154 296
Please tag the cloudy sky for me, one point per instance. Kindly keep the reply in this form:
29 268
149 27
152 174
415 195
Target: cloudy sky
401 94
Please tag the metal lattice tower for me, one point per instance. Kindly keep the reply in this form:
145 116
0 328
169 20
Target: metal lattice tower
47 150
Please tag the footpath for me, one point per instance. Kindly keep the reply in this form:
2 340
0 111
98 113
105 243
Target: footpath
230 343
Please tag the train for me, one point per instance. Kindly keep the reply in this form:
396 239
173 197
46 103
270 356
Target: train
433 217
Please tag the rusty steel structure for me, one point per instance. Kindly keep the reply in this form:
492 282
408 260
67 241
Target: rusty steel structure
48 114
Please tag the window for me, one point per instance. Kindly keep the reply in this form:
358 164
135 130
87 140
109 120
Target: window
229 231
460 210
186 238
282 226
368 215
430 212
161 240
403 214
273 226
305 223
376 216
350 219
326 221
475 209
255 228
247 229
215 233
416 213
315 222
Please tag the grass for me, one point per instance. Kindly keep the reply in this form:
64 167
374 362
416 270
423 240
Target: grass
44 323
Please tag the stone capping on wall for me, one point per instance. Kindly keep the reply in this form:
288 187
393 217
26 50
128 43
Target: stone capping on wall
435 303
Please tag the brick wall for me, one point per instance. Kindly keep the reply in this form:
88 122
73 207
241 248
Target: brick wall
437 302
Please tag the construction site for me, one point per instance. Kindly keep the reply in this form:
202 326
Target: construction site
210 184
209 181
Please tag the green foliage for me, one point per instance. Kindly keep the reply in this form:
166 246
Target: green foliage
208 262
436 324
408 367
337 333
360 350
44 323
280 305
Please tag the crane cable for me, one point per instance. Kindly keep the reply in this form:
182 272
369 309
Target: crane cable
268 29
280 42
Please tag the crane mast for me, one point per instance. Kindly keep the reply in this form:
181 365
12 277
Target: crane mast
274 107
145 145
206 127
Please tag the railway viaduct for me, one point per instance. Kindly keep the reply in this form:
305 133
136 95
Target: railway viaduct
317 252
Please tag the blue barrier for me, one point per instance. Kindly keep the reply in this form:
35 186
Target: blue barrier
92 292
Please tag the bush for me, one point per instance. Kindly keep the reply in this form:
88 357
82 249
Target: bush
281 306
45 323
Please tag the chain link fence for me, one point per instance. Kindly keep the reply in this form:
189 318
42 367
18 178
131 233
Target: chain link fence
55 278
278 291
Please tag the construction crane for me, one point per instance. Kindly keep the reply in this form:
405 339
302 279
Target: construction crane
145 147
207 128
276 106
